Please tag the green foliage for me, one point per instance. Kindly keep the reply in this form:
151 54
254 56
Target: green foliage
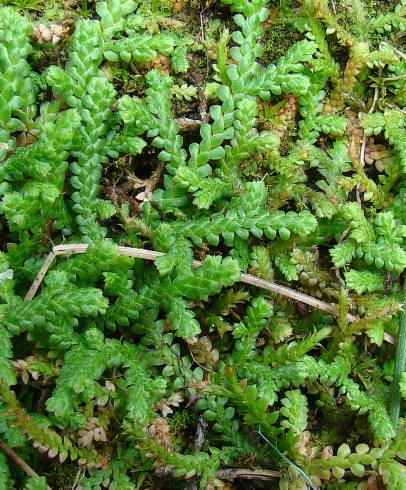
51 317
16 75
86 363
393 474
6 354
363 281
295 350
36 483
268 141
140 47
112 15
5 476
246 75
403 385
261 262
43 182
391 122
378 243
91 94
294 409
47 440
247 331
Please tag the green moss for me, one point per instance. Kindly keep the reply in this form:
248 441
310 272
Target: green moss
195 4
60 11
182 422
28 5
157 7
280 35
375 7
346 14
126 79
288 139
61 476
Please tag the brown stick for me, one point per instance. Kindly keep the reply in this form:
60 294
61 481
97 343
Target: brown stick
364 138
40 276
231 474
17 460
291 293
187 124
141 253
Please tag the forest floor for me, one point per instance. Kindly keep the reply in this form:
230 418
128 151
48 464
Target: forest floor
266 140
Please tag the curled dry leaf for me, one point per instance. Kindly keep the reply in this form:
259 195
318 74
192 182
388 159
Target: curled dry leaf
45 34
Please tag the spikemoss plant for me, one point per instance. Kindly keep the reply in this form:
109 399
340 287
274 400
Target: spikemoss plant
264 171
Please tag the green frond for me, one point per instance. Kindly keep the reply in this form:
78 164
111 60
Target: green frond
363 281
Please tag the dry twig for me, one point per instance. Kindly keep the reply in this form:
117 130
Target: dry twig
231 474
141 253
17 460
188 124
200 435
364 138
